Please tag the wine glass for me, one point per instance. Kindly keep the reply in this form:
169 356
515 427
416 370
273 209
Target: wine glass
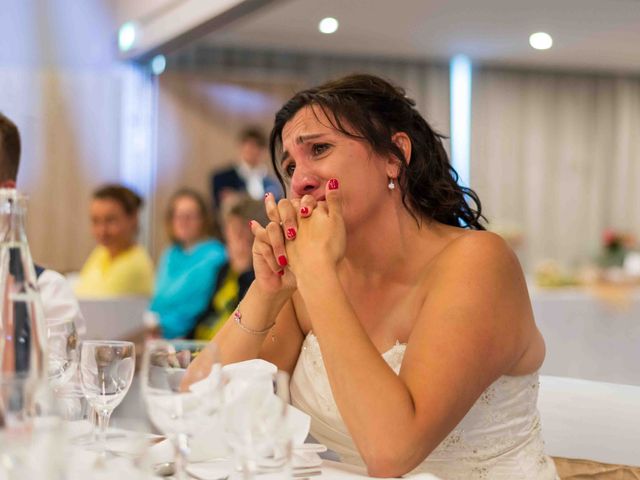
106 372
256 421
182 388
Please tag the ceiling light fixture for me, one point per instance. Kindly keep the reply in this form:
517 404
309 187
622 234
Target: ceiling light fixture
328 25
127 36
540 41
158 64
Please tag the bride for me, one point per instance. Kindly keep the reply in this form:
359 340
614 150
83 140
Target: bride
406 327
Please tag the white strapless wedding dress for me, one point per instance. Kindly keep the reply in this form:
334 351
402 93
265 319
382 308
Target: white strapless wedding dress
498 439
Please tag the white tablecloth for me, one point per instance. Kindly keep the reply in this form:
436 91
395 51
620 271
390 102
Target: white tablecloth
340 471
119 466
590 420
587 337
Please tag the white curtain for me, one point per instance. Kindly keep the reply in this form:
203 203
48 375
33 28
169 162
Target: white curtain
62 87
427 83
70 126
557 156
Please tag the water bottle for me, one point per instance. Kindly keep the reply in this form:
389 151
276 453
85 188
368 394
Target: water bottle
22 328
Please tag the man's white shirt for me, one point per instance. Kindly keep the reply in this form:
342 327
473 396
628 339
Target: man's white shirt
58 300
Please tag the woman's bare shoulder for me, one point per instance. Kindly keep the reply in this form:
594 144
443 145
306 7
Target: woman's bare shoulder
476 261
480 251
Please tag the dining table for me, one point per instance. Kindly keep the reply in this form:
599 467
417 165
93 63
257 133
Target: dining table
122 454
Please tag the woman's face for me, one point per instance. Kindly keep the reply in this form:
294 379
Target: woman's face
111 226
237 232
187 221
314 152
239 242
252 153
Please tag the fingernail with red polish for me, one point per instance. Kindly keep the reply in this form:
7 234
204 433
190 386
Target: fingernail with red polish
304 211
281 273
282 260
333 184
291 233
266 195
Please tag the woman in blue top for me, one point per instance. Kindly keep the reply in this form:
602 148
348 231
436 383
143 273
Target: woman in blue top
188 269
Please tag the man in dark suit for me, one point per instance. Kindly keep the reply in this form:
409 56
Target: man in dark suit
249 176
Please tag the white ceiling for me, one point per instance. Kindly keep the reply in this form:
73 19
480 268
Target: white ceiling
588 34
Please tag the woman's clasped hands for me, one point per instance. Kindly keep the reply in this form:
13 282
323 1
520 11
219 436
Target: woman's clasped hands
304 236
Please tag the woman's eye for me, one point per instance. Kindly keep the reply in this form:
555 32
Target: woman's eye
319 148
289 169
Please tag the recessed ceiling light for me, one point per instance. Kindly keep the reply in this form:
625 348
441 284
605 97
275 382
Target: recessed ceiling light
328 25
126 36
540 40
158 64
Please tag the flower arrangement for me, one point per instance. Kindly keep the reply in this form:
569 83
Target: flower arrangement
615 245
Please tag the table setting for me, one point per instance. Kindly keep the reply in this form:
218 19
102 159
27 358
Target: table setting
210 422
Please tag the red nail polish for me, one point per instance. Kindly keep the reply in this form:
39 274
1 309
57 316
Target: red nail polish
291 233
304 211
282 260
333 184
266 195
281 273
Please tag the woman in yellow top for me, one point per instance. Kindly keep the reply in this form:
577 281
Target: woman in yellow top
117 266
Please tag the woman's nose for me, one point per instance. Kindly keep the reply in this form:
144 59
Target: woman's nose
304 183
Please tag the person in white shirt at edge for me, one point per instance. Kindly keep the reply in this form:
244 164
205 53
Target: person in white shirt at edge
407 329
58 301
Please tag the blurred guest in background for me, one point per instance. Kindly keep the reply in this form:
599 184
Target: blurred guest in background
249 175
236 276
188 268
58 301
118 266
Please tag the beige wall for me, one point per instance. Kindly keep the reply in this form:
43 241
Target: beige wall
199 117
61 85
70 132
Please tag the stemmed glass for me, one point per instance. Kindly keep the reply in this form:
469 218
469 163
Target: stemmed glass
63 357
182 387
106 372
256 421
62 351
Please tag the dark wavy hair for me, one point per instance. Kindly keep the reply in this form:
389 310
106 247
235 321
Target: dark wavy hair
369 108
129 200
9 149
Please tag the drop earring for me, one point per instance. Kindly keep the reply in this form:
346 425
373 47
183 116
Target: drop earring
391 185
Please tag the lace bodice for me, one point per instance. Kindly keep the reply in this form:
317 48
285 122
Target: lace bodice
499 438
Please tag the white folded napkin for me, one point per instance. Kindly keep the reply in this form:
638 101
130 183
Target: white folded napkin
244 383
249 368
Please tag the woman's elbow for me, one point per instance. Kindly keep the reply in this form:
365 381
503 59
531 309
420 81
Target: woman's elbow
386 468
391 463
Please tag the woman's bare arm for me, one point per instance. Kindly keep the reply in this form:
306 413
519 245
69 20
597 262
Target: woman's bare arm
470 331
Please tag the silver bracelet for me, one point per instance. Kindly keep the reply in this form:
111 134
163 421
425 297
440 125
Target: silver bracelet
237 316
